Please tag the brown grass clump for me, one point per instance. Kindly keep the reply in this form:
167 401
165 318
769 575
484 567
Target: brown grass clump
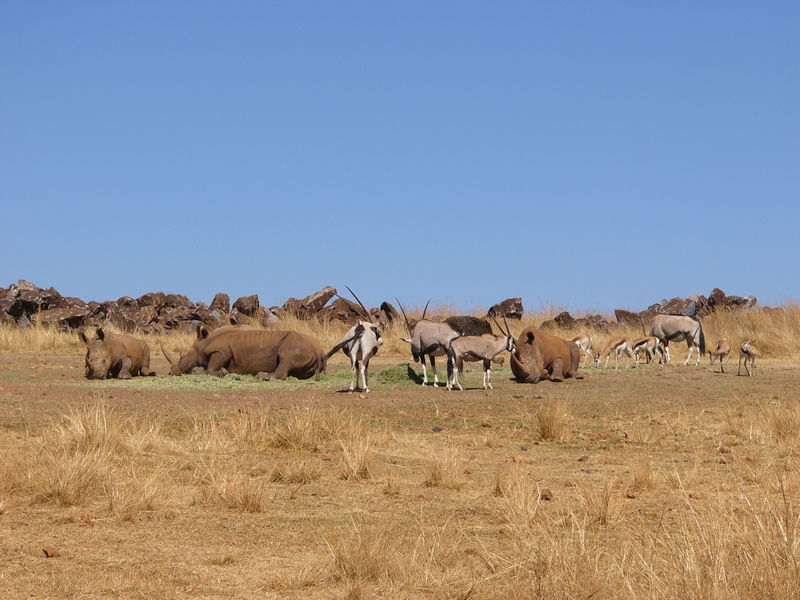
370 554
232 489
783 422
356 445
131 492
69 477
295 471
603 507
300 429
444 470
552 420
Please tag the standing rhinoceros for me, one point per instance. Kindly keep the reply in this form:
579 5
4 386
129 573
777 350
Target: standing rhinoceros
114 355
539 355
270 354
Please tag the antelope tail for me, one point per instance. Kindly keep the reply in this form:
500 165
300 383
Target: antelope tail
358 333
702 341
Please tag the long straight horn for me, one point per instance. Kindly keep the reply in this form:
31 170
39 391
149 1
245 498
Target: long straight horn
508 329
425 310
168 356
364 308
403 310
496 323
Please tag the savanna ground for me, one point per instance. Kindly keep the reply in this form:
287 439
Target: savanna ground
656 482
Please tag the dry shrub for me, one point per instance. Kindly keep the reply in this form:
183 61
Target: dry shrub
603 507
298 578
295 471
370 554
130 492
356 443
69 477
783 422
552 420
233 490
251 429
444 470
300 429
519 498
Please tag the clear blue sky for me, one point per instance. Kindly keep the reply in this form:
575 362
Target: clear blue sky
581 154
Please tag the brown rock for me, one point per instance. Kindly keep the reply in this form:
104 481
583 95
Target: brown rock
626 317
511 308
50 552
154 299
247 305
546 494
221 302
314 303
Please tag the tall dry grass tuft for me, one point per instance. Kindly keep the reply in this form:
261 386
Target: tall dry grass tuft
300 428
552 418
603 507
371 554
232 489
444 470
130 492
69 477
782 421
295 471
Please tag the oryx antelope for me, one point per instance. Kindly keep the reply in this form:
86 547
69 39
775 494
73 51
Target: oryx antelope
747 352
671 328
360 343
721 351
584 342
617 345
431 339
475 348
650 346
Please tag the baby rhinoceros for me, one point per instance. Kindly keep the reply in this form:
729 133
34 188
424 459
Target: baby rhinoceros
114 355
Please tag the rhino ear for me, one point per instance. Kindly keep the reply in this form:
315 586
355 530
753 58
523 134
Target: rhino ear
529 337
82 337
202 332
101 335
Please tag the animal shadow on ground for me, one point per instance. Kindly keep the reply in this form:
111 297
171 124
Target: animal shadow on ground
413 375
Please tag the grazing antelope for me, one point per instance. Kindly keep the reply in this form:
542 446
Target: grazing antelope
670 328
431 339
650 346
721 351
584 342
748 352
617 345
360 343
478 348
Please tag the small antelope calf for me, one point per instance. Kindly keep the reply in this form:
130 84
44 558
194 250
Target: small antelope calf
617 345
748 352
721 351
650 345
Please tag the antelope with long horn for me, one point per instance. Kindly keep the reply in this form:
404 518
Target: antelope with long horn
360 344
431 339
478 348
671 328
747 352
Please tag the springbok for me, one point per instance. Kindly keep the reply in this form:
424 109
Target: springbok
617 345
721 351
431 339
360 343
584 342
650 346
747 352
478 348
670 328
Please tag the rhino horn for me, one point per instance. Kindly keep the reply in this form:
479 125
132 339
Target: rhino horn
167 355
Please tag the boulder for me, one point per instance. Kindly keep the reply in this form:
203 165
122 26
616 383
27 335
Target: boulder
247 305
177 301
314 303
390 311
511 308
221 302
63 318
626 317
564 320
155 299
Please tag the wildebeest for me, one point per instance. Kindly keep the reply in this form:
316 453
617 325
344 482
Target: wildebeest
431 339
670 328
269 354
115 355
360 344
539 355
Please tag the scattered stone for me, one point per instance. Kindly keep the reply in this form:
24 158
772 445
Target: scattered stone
50 552
438 429
546 494
584 458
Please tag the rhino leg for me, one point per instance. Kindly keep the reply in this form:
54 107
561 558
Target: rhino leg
125 368
556 370
282 371
216 364
144 370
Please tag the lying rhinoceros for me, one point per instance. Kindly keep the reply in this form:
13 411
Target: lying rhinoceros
270 354
539 355
114 355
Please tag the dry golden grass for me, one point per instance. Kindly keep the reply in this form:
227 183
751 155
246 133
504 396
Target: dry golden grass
660 483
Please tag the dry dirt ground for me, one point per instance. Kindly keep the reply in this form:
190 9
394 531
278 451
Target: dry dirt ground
660 482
